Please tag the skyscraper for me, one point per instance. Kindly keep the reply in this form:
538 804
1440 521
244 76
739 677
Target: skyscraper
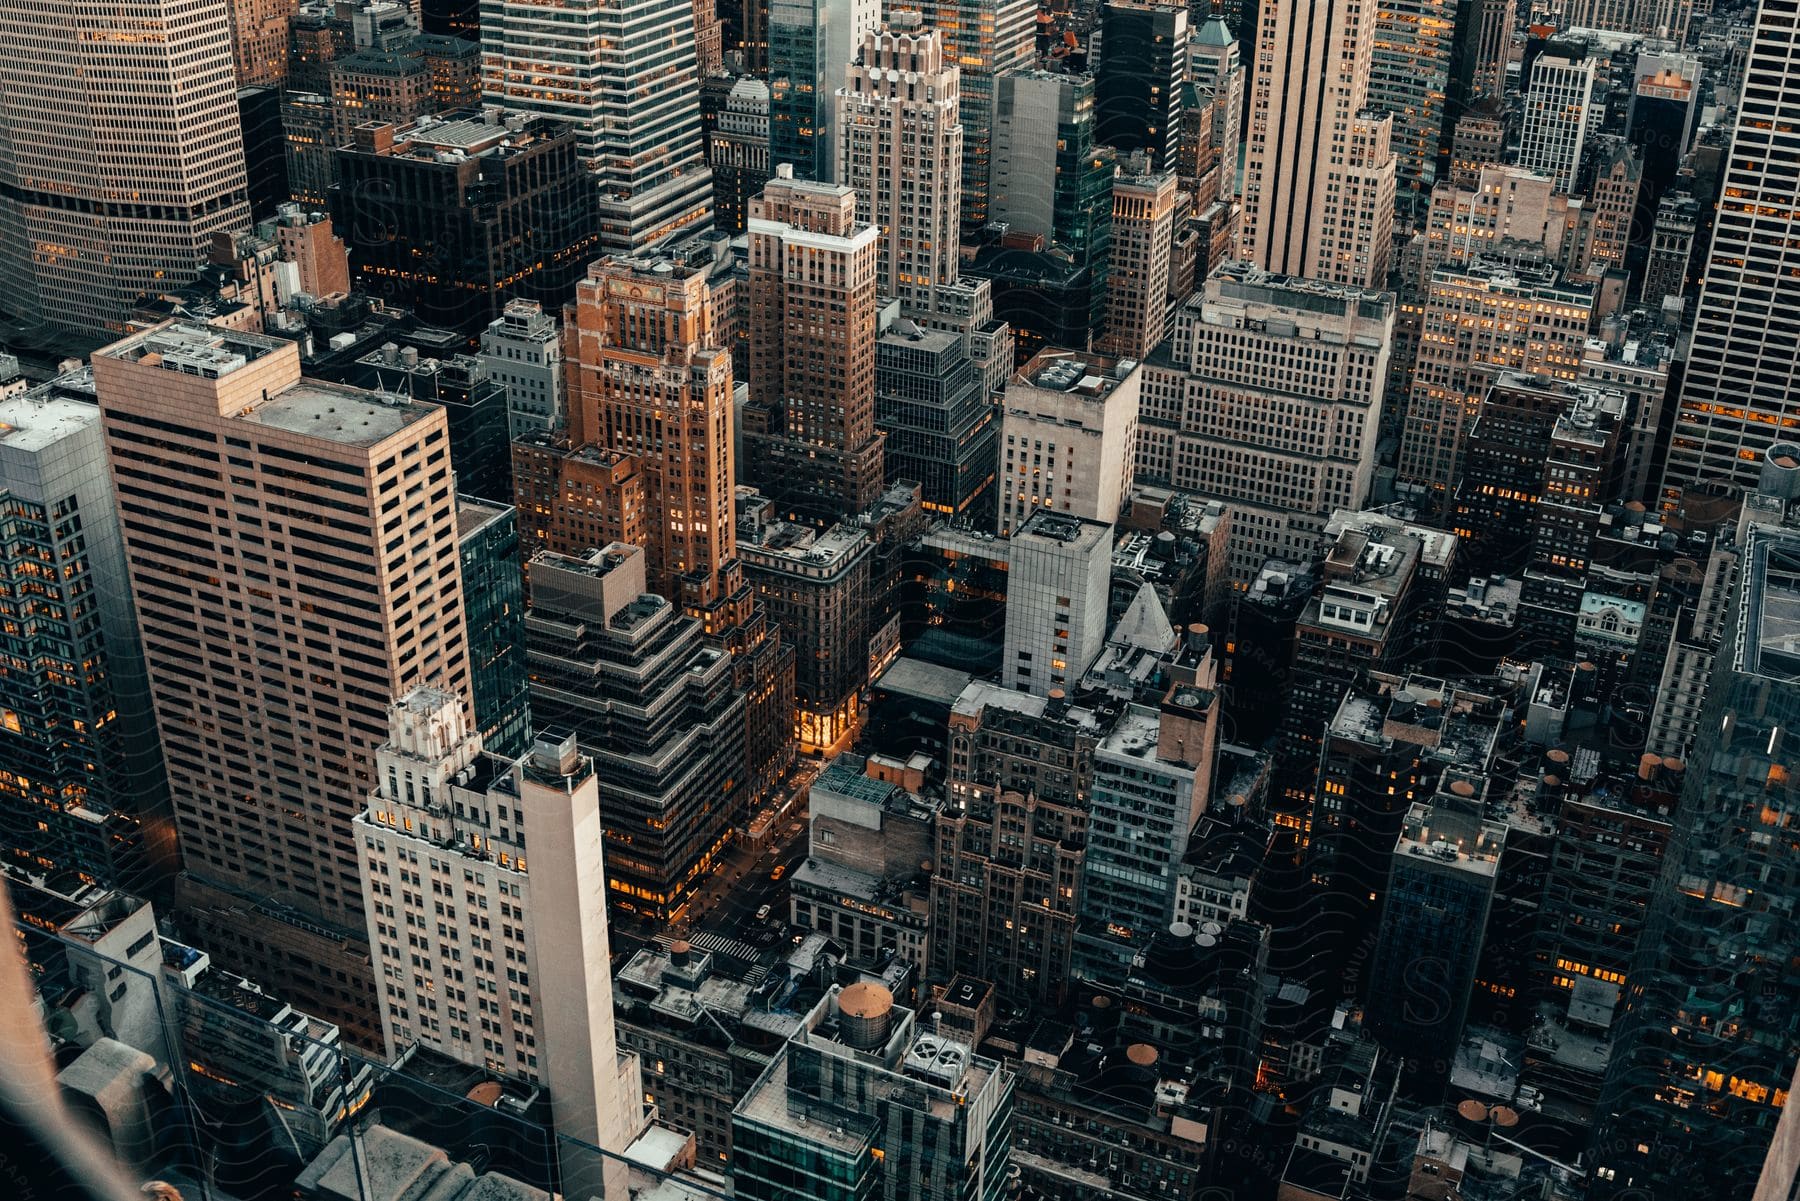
987 39
902 152
494 614
626 76
1410 78
1056 593
1554 129
1217 67
1707 1047
638 685
1440 891
650 379
280 615
95 98
1137 87
1051 178
811 45
1069 431
1137 298
1270 399
82 790
1319 171
810 438
1740 383
1481 319
739 153
454 218
522 350
546 1015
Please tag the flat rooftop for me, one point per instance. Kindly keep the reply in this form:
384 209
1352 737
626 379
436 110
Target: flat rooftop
336 413
191 348
472 513
35 420
1086 375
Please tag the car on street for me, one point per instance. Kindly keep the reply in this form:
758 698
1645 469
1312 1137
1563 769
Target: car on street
762 915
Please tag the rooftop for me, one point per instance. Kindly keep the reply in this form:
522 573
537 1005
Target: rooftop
472 513
1090 376
336 413
1048 525
36 420
194 349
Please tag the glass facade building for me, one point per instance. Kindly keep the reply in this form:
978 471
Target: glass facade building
1706 1053
494 609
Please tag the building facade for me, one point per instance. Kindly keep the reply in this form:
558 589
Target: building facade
449 817
83 110
655 707
83 789
903 155
1269 399
1738 379
810 436
205 429
1068 438
626 78
1309 113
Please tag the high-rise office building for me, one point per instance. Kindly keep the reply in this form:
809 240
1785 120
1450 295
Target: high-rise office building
1152 781
988 40
1739 380
903 153
1270 400
1484 46
941 428
82 791
88 105
1707 1046
625 76
454 218
1137 283
1068 438
1056 593
1137 86
650 378
1440 891
810 438
643 691
1216 66
280 616
1479 320
1657 18
739 153
522 350
1410 78
480 453
818 587
811 46
870 1107
1553 131
1051 179
1319 169
493 581
540 1011
1018 762
259 41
